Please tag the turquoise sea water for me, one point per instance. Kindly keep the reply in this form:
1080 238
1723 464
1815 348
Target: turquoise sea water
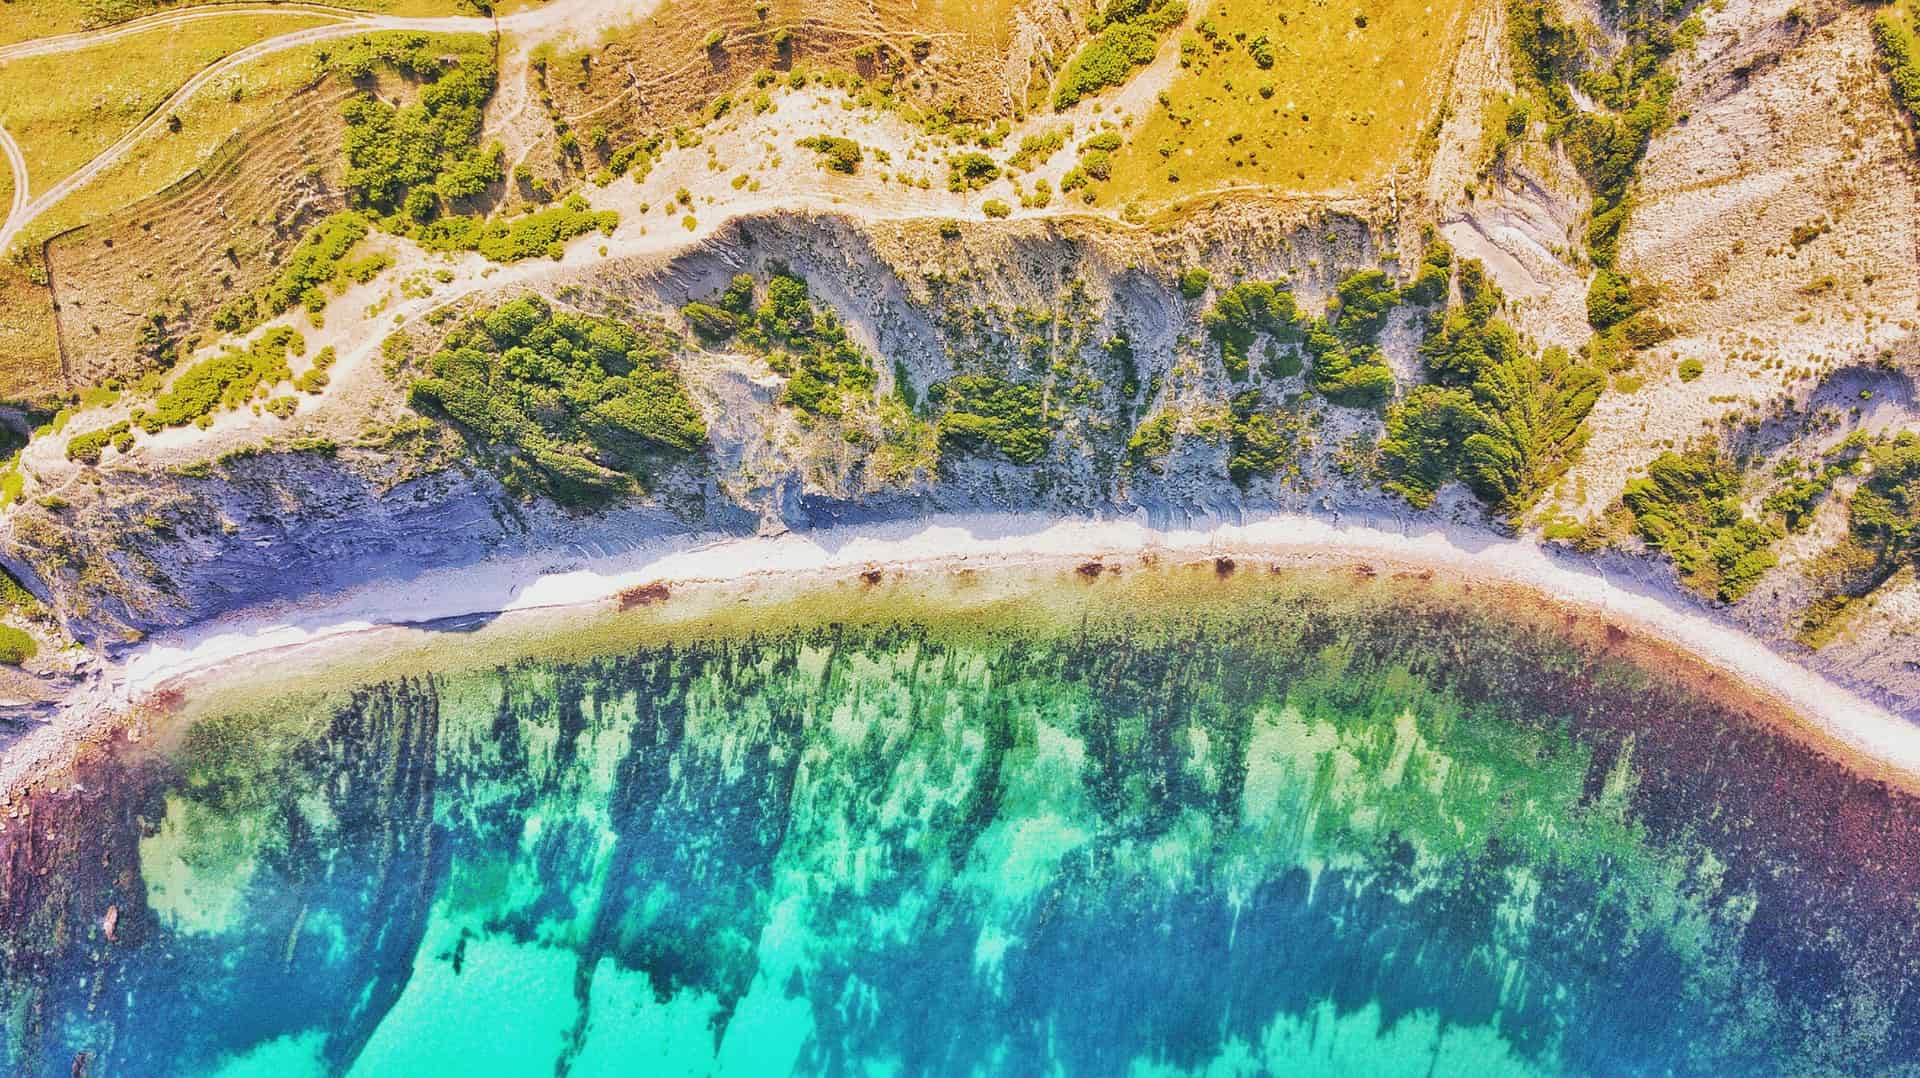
1284 824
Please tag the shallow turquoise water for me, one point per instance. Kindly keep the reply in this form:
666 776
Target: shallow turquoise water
1289 829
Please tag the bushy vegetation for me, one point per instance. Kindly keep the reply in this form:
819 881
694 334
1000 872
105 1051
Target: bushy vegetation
1900 57
16 646
982 415
1634 92
1347 368
579 408
87 447
1242 313
315 263
514 239
1261 442
408 160
1034 150
842 155
1127 34
225 381
1151 441
1506 421
1688 507
826 371
970 171
1883 526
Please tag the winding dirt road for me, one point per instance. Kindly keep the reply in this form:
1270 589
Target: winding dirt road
584 17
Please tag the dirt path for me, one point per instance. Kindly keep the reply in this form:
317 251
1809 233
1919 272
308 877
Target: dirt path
86 39
561 18
18 164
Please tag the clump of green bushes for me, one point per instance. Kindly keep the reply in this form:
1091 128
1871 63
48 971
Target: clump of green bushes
315 263
825 369
1688 507
1260 441
224 381
1127 34
1503 419
970 171
982 415
579 408
842 155
513 239
406 160
16 645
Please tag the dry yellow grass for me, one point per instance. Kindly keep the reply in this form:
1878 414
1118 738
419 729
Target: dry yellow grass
66 108
24 20
29 352
1350 87
226 106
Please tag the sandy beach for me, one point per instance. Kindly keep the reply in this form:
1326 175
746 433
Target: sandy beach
1829 713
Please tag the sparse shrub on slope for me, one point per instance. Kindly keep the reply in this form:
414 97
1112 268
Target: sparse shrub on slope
826 371
316 262
579 408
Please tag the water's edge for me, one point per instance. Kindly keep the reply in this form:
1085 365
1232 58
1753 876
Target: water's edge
1874 738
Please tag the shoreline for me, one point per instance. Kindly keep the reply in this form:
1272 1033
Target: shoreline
1826 715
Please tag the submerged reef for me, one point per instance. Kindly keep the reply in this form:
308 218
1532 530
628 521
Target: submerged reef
1192 818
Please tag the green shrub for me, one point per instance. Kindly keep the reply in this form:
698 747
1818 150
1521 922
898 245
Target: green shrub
1897 54
579 408
227 380
1691 368
983 415
87 447
410 157
1259 443
313 264
16 646
1688 507
994 207
1034 150
1430 281
1507 423
711 324
1194 281
1151 441
1420 451
1356 376
1243 312
1362 301
839 154
1468 338
826 371
1129 37
970 171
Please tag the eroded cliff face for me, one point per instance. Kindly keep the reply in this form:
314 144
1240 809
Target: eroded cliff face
363 488
190 531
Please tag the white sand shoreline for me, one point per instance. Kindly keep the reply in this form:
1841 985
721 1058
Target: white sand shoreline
522 584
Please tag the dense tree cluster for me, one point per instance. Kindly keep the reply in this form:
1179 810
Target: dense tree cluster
1505 420
982 415
579 408
1688 507
410 159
